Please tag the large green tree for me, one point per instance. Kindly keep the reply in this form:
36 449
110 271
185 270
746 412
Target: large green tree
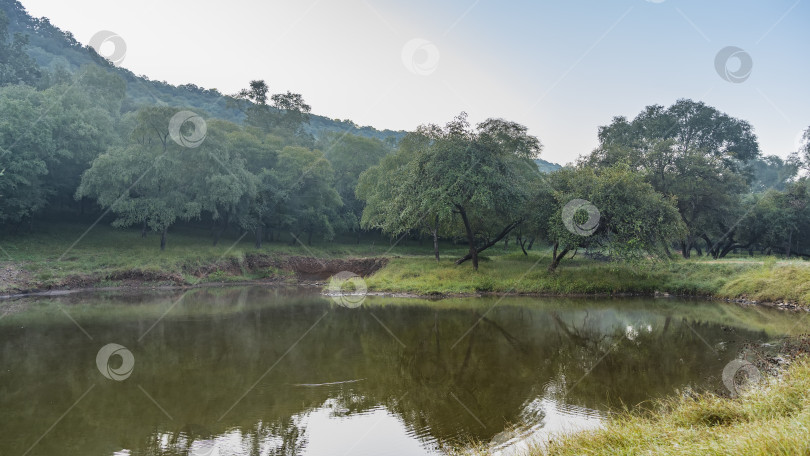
304 193
155 181
477 177
49 137
350 156
612 209
690 151
380 189
776 221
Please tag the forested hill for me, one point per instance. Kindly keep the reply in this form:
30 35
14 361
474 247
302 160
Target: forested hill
546 166
53 48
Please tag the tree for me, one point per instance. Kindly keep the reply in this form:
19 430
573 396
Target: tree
48 138
690 151
25 153
154 181
380 189
302 188
15 64
478 178
803 154
611 209
83 126
286 116
777 220
771 172
254 212
350 156
294 111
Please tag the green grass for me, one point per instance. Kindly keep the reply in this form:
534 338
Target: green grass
770 282
104 254
54 253
517 273
771 420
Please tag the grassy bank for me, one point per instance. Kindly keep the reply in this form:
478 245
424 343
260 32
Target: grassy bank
63 257
66 256
771 420
755 280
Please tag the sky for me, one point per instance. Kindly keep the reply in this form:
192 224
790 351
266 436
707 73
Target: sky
562 68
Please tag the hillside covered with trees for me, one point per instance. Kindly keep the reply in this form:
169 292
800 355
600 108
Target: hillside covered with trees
81 139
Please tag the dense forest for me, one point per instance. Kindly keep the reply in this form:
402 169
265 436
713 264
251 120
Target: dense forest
82 139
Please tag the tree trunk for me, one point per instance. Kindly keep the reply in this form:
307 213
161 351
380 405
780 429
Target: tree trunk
163 239
522 243
555 258
309 237
143 230
710 250
531 243
259 236
217 235
685 249
435 231
470 238
492 242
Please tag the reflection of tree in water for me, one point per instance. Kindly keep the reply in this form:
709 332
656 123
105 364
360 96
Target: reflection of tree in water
196 368
285 437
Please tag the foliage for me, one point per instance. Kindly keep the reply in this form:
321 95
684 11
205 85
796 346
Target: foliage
479 178
633 220
350 156
15 65
155 181
689 151
55 133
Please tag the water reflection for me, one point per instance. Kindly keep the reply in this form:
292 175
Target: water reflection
255 371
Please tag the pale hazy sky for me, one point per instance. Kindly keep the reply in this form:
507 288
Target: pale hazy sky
562 68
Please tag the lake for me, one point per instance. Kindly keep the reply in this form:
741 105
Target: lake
286 371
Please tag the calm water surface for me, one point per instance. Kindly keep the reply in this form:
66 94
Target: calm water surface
257 371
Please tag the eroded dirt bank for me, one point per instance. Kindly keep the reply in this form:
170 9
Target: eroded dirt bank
262 268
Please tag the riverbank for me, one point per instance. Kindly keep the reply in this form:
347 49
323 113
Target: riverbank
111 259
769 418
782 283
